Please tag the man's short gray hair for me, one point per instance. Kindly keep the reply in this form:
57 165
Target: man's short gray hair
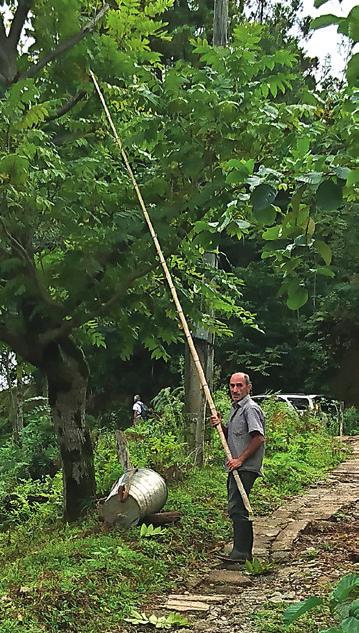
247 379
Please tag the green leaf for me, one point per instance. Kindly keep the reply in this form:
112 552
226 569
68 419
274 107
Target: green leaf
318 3
273 233
15 167
344 587
350 625
354 608
37 114
310 228
296 198
243 166
267 215
324 250
312 177
342 172
325 272
353 177
294 611
262 197
329 196
353 24
325 20
297 298
353 70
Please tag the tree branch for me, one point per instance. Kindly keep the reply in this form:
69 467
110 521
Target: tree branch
18 246
67 106
58 333
30 265
64 46
21 344
122 289
2 30
18 22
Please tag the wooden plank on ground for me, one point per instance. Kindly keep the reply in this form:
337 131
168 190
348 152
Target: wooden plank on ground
186 605
198 597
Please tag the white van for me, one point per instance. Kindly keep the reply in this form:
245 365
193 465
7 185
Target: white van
316 403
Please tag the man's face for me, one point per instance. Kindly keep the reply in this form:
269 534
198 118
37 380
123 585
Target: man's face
238 387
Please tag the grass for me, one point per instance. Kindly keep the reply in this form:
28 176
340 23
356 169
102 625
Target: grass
86 578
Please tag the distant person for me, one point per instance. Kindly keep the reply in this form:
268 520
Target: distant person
245 436
140 410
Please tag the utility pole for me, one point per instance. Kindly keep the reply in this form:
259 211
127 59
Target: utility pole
195 404
220 23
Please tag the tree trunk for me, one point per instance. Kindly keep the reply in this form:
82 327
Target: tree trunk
220 23
18 413
10 388
195 402
67 375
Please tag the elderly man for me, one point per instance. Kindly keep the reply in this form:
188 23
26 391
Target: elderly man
245 437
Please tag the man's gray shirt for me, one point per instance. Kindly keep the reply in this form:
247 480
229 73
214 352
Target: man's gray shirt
246 416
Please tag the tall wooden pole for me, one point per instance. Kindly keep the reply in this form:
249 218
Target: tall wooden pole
175 298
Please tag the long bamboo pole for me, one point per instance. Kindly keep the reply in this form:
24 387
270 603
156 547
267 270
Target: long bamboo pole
182 318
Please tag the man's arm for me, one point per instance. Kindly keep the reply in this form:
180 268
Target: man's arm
257 439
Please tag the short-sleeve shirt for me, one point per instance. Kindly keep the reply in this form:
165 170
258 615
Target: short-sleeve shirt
137 409
246 416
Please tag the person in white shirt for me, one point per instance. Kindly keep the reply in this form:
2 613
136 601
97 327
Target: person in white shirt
137 409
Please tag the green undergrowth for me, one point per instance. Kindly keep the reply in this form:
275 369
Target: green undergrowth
57 577
269 619
87 578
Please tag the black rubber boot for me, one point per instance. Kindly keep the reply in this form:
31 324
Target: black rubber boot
242 542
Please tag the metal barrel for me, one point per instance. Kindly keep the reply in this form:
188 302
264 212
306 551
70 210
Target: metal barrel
147 494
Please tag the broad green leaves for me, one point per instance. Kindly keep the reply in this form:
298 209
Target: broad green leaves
348 26
325 20
329 196
14 168
353 70
324 250
353 177
294 611
341 601
265 216
297 297
263 209
262 197
345 587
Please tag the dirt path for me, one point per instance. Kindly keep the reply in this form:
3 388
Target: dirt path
312 540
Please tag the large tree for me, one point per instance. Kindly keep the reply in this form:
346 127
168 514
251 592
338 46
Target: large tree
65 236
212 151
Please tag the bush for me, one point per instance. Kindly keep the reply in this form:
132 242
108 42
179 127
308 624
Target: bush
351 421
26 470
28 499
38 454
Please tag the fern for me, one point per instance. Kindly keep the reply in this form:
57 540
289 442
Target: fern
33 117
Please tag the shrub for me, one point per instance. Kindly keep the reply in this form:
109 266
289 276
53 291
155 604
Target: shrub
351 421
38 454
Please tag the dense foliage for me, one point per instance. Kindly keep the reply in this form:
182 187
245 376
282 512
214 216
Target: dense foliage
227 144
237 152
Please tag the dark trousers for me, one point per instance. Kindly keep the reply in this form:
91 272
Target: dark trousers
236 508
